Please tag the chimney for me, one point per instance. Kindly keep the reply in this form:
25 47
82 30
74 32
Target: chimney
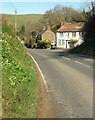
48 27
62 23
44 28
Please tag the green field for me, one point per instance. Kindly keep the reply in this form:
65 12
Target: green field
23 19
19 78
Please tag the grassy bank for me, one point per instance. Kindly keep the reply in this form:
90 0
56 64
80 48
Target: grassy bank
87 48
19 81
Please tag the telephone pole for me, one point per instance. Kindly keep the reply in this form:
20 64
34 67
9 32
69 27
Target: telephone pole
15 20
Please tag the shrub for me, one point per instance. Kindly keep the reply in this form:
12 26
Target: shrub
43 44
34 45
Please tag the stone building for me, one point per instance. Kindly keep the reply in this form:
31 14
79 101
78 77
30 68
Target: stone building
48 35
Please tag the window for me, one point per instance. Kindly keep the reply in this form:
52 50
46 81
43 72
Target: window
61 34
60 42
80 34
68 34
74 34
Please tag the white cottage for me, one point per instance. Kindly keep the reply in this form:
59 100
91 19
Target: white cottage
69 35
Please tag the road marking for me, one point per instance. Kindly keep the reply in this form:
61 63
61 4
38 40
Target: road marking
82 64
66 58
91 60
40 72
87 65
78 62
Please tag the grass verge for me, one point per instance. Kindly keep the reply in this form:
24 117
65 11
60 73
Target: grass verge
19 80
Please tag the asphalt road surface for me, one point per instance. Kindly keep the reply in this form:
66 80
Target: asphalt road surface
69 79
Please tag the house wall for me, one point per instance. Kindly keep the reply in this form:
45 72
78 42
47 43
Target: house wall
67 37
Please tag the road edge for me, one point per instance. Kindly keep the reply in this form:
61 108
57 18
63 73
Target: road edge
44 109
42 76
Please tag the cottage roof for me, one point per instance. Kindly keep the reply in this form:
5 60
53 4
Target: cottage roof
69 27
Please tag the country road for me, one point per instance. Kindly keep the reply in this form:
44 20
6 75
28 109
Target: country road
69 79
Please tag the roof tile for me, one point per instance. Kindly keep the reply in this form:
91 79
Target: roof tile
68 27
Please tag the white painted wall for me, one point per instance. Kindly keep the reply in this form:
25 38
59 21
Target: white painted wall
67 36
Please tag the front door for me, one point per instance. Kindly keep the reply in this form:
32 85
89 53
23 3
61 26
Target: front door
68 44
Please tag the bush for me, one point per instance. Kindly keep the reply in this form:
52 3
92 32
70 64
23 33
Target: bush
34 45
43 44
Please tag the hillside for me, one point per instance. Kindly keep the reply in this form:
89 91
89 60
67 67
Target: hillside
19 81
24 19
